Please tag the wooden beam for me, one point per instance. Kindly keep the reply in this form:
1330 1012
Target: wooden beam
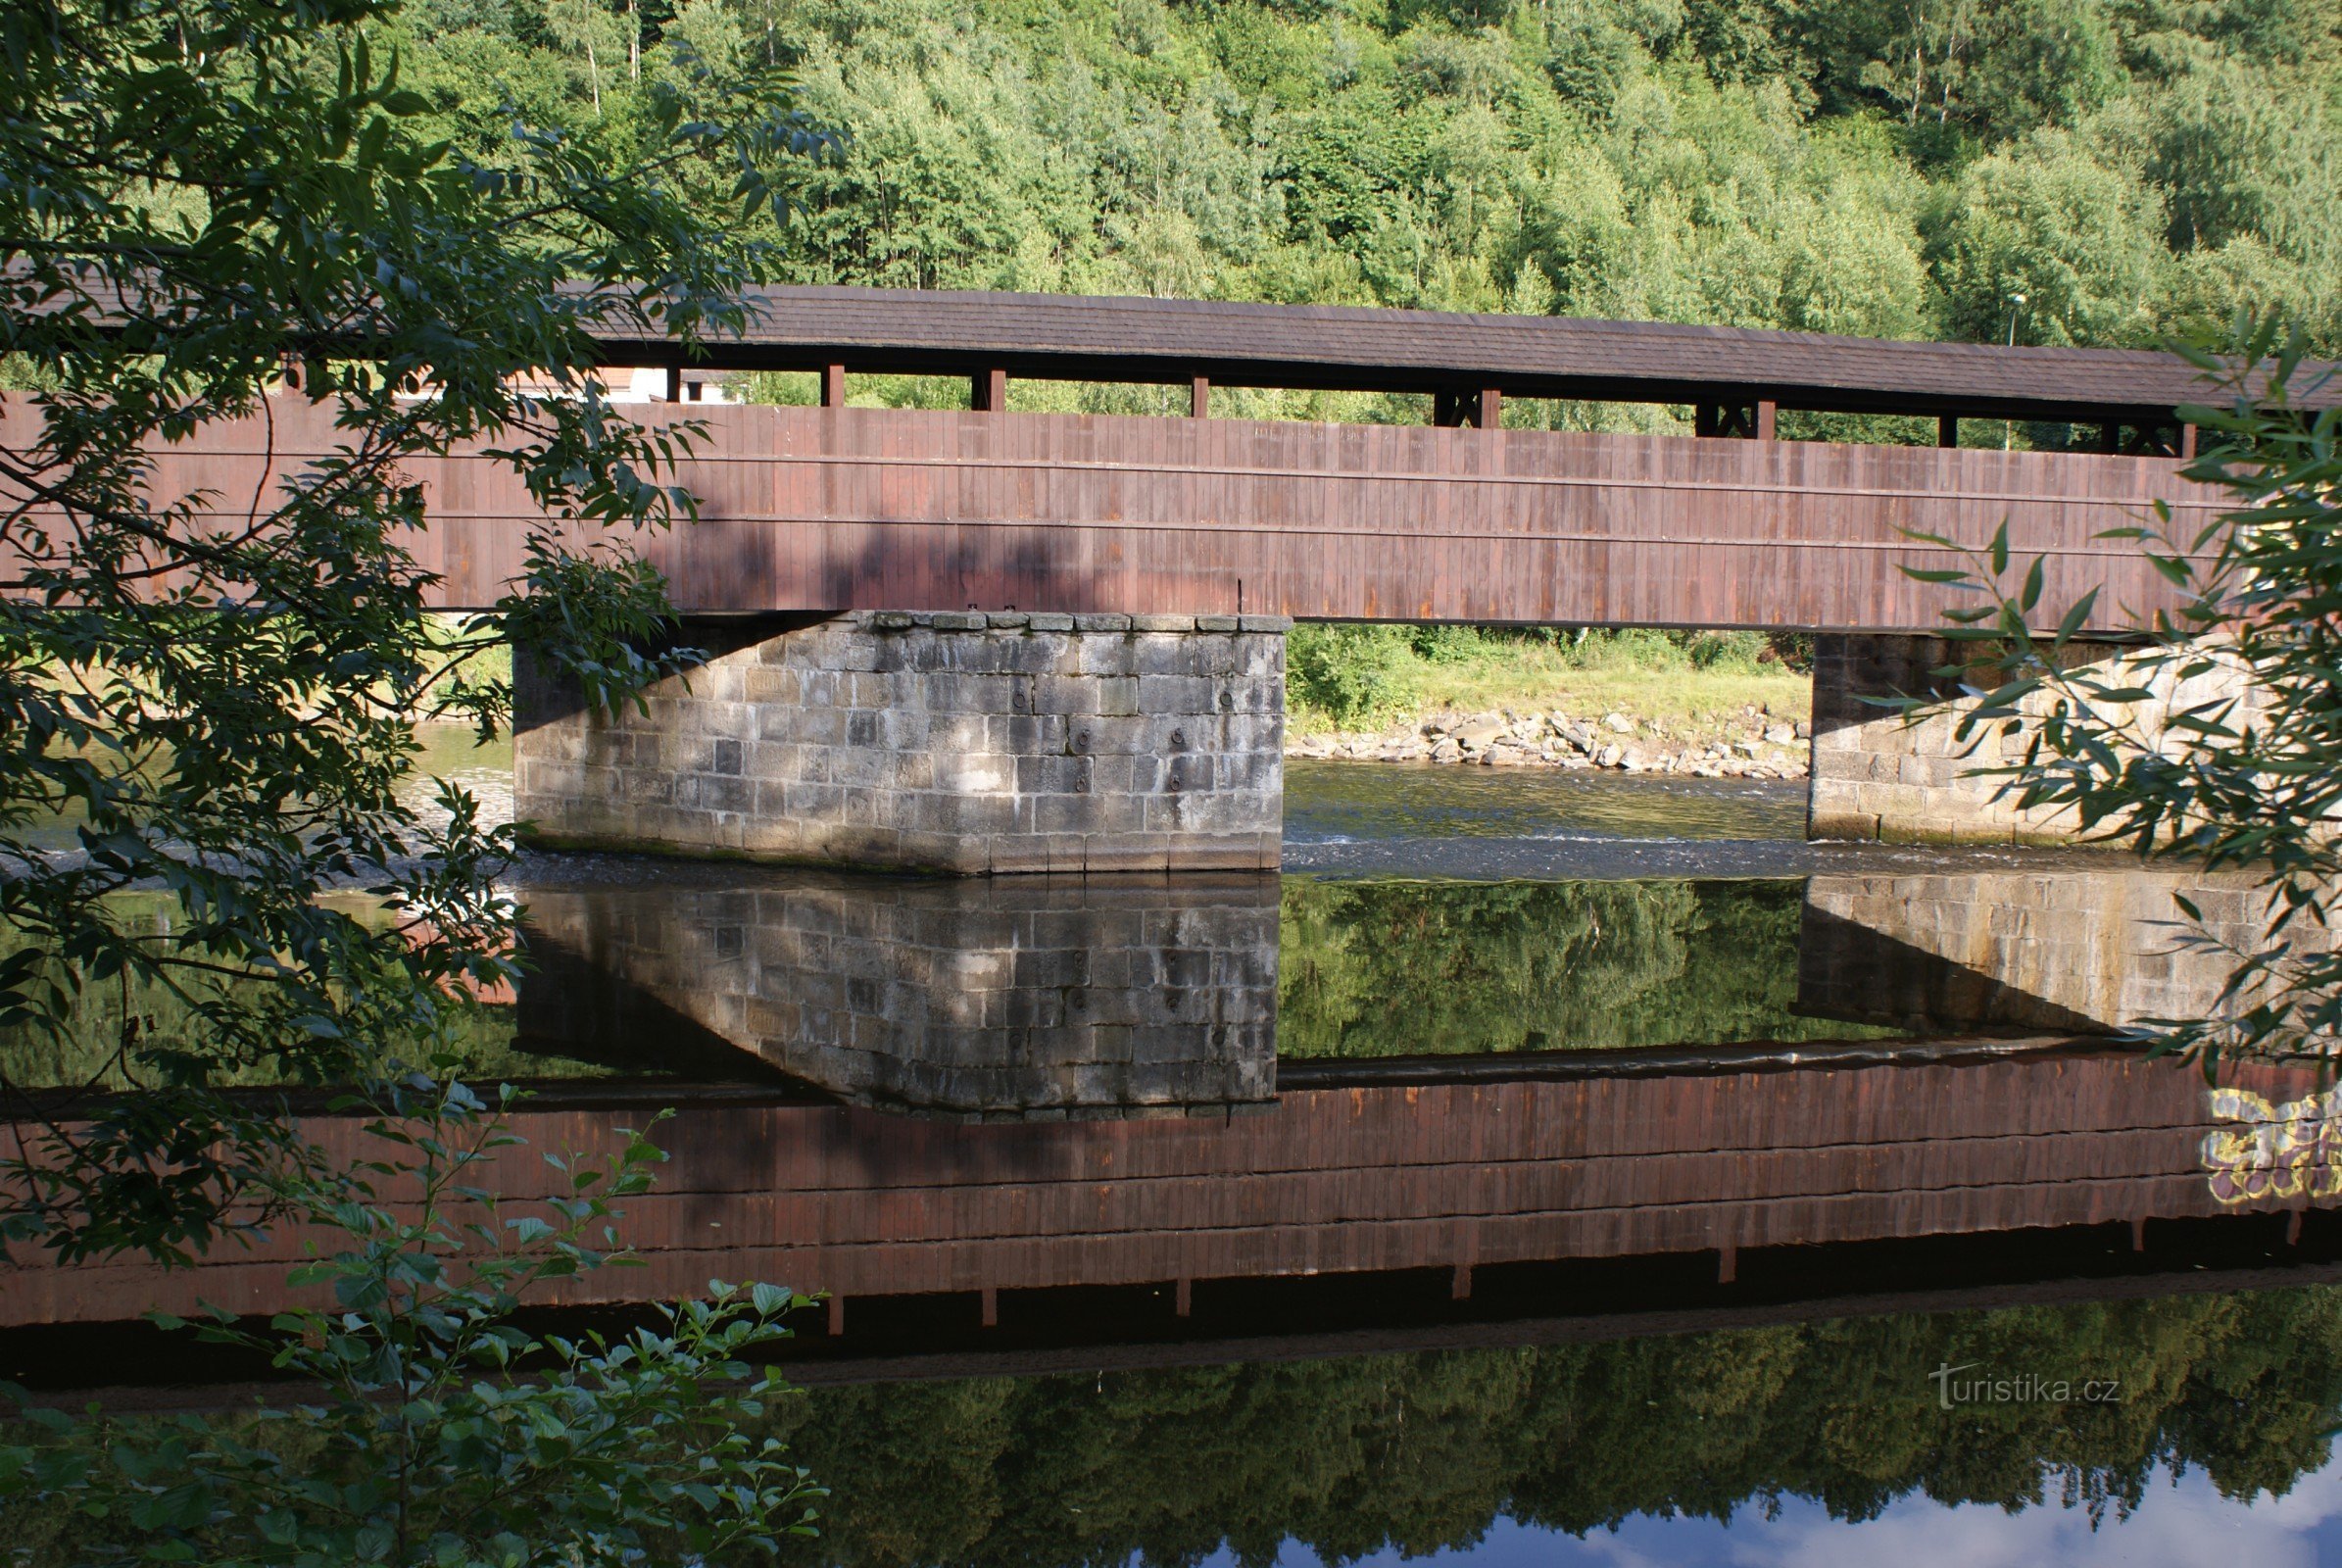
1765 411
1490 413
1737 420
988 391
1947 430
674 383
832 387
2187 443
1199 398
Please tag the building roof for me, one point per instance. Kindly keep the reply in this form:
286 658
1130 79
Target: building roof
1064 337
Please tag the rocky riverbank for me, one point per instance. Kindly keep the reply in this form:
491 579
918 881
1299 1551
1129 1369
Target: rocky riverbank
1759 746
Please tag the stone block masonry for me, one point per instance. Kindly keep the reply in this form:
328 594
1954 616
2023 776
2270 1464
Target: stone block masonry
966 743
1877 775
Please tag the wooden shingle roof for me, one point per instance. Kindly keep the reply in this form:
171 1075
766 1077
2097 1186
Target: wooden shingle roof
1062 337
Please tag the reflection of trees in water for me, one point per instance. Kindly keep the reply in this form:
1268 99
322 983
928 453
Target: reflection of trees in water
1424 1451
160 1023
1392 968
481 1040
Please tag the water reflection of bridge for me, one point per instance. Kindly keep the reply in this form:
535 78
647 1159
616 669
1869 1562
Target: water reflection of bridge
1366 1181
1112 1117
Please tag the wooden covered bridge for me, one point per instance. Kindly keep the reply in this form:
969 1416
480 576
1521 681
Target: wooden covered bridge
991 640
840 507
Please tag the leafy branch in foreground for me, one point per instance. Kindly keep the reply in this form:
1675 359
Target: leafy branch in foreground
217 221
425 1427
2218 739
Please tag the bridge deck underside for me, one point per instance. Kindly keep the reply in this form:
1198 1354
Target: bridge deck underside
842 509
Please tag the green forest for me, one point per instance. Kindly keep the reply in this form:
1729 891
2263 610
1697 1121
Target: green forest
1418 1452
2131 168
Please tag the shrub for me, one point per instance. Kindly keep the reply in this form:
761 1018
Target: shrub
1349 673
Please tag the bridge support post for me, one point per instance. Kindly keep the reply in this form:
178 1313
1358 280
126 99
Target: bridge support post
964 743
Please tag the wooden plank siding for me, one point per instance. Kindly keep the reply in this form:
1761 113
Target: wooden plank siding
833 508
1338 1180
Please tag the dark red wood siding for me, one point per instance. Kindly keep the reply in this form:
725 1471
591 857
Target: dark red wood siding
839 509
859 1202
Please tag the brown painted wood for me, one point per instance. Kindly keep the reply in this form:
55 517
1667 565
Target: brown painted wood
1439 1176
832 387
1199 398
1947 430
1767 417
836 509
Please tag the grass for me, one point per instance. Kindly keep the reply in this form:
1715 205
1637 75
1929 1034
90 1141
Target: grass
1697 684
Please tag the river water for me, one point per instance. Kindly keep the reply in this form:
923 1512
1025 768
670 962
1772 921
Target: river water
1546 1169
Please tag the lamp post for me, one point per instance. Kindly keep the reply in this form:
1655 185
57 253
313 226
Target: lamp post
2008 428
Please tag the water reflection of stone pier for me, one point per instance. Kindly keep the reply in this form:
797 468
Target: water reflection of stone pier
1037 997
2071 949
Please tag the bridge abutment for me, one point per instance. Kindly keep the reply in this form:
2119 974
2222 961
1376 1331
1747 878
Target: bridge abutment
1877 775
963 743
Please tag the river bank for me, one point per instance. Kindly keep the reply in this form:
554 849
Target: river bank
1759 745
1704 705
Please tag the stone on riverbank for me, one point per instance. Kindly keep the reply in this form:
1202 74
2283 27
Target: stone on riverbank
1555 739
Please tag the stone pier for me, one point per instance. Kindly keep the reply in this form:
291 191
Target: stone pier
1877 775
965 743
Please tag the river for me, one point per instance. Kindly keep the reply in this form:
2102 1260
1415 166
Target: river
1544 1168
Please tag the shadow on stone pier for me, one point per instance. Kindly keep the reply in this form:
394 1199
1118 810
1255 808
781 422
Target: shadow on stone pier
1031 998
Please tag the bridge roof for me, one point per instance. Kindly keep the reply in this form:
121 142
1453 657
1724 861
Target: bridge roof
1063 337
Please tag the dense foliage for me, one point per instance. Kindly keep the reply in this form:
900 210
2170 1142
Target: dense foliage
1362 1455
202 208
1359 673
219 218
2133 168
